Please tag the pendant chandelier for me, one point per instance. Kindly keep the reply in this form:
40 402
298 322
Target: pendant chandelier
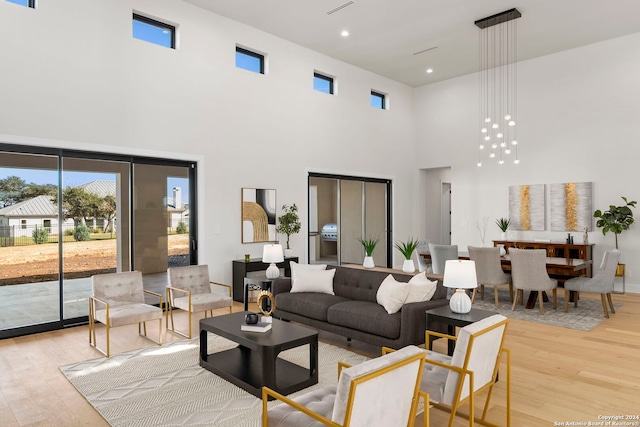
498 109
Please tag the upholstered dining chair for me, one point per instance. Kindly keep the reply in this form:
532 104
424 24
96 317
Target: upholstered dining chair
440 254
379 392
529 273
190 290
118 299
421 262
489 271
452 381
601 283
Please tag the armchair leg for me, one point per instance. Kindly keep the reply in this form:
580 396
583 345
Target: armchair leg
604 305
613 310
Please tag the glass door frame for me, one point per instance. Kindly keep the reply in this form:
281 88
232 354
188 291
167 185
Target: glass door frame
62 153
388 207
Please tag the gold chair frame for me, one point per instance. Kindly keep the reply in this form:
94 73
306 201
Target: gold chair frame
266 392
169 311
466 372
142 326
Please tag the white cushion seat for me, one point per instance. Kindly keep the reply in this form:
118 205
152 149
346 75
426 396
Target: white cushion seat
127 314
201 302
320 401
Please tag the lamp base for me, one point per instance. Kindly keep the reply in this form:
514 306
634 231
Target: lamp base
460 302
273 272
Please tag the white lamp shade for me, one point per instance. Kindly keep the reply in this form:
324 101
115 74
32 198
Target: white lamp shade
460 274
272 254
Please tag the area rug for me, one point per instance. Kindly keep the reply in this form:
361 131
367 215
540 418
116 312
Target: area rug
585 317
165 386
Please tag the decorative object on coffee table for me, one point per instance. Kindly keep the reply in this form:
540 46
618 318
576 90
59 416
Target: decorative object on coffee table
369 245
289 223
406 249
460 275
272 254
266 309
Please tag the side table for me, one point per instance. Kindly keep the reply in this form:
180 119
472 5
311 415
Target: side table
256 284
446 316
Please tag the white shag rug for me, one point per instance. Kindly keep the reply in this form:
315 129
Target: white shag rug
165 385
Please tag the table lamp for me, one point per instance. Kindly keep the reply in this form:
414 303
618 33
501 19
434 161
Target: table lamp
272 254
461 275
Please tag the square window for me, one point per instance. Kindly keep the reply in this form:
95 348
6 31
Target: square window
378 100
323 83
153 31
27 3
249 60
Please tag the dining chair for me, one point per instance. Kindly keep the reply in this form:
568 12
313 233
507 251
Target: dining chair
529 273
190 290
440 254
489 271
118 299
383 391
601 283
422 263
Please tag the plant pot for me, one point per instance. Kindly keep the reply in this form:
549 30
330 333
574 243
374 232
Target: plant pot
503 236
368 262
288 253
408 266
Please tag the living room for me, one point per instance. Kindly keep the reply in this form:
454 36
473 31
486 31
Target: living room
73 77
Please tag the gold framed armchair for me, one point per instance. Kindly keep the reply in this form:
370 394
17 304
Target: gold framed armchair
189 289
379 392
118 299
452 381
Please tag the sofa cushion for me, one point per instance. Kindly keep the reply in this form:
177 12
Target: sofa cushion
392 294
365 316
420 289
308 304
312 280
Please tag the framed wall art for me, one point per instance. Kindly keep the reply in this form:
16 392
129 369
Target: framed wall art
571 207
258 215
527 207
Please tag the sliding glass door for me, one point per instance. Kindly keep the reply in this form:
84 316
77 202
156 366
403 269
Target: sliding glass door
67 215
343 209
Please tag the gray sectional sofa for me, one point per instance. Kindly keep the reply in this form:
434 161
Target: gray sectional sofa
353 311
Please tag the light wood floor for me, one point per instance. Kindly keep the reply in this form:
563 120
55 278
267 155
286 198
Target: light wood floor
559 374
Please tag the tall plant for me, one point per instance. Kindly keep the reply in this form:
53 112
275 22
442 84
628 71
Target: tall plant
617 219
289 222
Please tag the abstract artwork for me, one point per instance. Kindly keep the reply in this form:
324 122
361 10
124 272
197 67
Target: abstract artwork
258 215
527 207
571 208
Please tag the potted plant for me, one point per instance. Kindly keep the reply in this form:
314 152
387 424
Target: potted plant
617 219
289 223
407 248
503 224
369 245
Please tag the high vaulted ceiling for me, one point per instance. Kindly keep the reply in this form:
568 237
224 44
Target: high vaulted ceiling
386 34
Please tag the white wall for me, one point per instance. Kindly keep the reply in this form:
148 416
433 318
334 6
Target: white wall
578 121
72 76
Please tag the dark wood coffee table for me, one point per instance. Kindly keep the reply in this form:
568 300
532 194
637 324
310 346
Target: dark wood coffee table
451 319
254 362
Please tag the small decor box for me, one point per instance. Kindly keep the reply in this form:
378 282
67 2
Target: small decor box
258 327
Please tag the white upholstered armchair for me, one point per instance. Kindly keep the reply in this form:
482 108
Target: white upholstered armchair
380 392
118 299
189 289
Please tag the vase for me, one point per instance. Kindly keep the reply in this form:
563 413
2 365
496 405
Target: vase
288 253
408 266
368 262
503 236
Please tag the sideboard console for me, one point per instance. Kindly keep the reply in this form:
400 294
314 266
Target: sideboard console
557 250
242 267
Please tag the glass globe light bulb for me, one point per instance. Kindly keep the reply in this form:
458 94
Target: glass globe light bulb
483 130
499 135
507 151
479 164
503 144
495 126
487 120
494 145
516 161
512 123
492 155
507 117
501 162
482 146
487 138
514 142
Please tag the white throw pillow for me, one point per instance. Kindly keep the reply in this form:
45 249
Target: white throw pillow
311 278
420 289
392 294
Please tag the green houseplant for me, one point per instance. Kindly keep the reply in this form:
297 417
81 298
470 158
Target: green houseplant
406 249
289 222
617 219
503 224
369 245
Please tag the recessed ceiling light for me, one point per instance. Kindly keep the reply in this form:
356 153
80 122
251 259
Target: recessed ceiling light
344 33
429 70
